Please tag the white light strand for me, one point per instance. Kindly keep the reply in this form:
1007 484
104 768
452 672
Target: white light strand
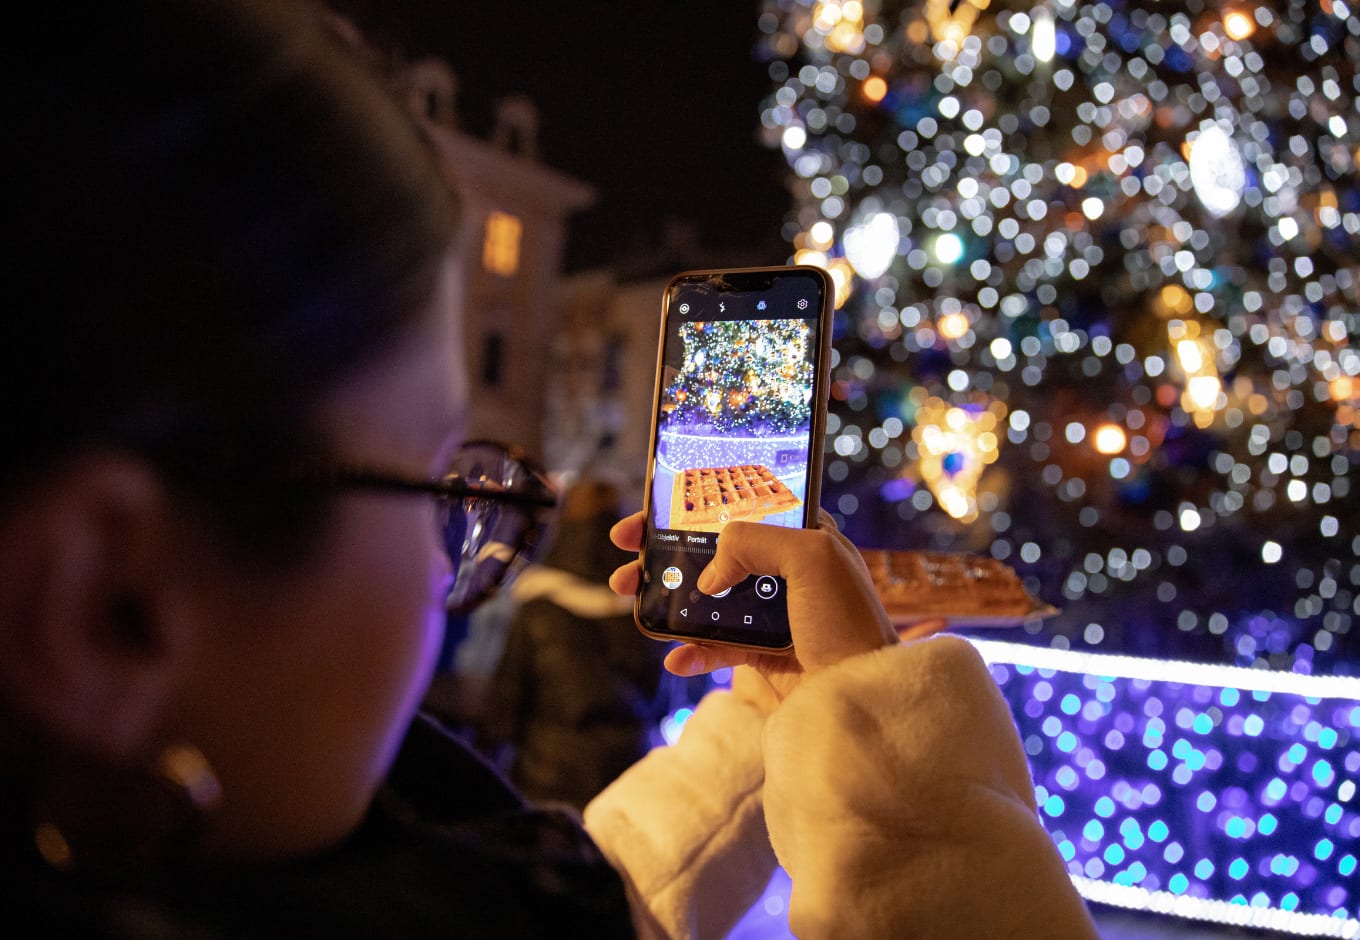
1160 670
1219 912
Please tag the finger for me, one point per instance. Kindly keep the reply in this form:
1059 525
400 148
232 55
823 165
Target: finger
828 583
626 578
627 533
746 548
691 659
730 565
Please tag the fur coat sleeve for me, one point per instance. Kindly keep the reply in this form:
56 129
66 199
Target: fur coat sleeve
893 788
899 800
684 825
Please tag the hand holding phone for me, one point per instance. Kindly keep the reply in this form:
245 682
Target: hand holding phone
738 425
833 609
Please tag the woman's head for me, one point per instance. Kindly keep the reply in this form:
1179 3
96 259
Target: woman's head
233 263
221 213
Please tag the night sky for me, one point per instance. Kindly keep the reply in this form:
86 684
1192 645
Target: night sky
654 104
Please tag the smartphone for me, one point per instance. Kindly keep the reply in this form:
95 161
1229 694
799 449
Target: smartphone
738 428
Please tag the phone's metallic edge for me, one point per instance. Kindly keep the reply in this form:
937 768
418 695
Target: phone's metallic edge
816 453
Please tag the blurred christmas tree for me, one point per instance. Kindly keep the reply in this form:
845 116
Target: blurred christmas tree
1099 302
751 376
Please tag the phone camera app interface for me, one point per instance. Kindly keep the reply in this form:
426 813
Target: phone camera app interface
733 435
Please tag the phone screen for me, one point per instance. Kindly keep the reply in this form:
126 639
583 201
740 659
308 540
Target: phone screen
737 435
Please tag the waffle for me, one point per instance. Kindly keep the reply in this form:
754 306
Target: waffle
962 589
718 495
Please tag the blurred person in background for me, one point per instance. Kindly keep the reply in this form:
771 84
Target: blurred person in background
576 692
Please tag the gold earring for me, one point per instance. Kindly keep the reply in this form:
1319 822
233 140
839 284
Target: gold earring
124 821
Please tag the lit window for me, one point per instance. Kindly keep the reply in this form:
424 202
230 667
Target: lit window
500 251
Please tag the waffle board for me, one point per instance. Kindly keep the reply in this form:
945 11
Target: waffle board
965 590
707 498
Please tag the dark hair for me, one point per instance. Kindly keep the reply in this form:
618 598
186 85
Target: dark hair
220 212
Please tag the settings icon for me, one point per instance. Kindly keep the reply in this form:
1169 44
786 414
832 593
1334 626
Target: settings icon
802 304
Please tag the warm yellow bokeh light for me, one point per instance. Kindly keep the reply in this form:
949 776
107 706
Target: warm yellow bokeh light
954 325
842 24
1196 360
1174 300
1238 25
956 444
875 88
1190 356
825 16
950 22
843 277
1110 439
1202 390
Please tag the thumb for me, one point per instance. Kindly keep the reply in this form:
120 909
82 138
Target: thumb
745 548
834 610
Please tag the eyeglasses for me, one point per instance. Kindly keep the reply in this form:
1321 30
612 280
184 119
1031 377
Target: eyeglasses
494 505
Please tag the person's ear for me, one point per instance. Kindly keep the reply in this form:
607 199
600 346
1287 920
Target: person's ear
94 631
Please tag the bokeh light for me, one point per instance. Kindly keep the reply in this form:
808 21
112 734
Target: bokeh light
1130 232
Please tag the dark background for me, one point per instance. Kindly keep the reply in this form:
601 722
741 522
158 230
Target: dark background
656 105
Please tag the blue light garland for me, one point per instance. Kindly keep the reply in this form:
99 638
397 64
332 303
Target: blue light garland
1205 791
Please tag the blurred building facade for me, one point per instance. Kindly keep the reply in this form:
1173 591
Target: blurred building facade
515 216
562 365
602 363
